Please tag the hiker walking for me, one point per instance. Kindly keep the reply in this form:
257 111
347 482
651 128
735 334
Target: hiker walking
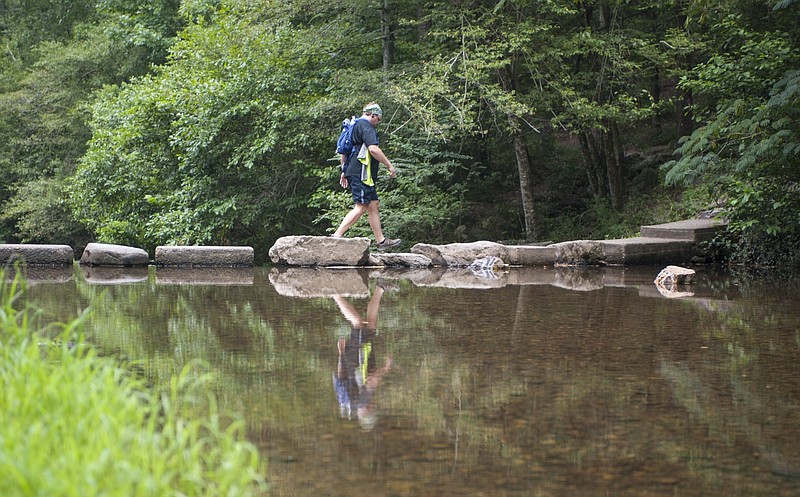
360 173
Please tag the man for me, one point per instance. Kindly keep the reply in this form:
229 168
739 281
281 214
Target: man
360 173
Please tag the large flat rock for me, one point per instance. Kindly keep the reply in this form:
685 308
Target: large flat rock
36 255
530 255
668 243
307 250
624 251
399 260
696 230
460 254
644 250
203 256
107 254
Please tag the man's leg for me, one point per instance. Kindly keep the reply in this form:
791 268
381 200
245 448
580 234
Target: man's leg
373 307
349 312
351 218
375 220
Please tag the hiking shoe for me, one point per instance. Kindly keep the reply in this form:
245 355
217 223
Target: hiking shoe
388 243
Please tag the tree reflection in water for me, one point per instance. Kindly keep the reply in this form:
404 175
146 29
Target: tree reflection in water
541 382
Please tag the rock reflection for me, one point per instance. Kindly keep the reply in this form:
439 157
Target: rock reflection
583 279
314 282
227 276
42 274
319 282
674 291
112 275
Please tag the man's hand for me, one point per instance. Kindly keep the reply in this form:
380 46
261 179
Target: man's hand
343 181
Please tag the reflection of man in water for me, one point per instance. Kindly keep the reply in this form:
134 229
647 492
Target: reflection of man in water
357 375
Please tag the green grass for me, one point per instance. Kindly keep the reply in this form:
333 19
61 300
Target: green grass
75 424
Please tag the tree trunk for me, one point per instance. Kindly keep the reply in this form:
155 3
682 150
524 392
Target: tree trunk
508 79
604 19
588 165
387 36
525 183
593 162
615 166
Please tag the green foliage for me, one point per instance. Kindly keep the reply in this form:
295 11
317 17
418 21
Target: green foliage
783 4
43 125
208 147
42 210
27 23
617 62
474 59
213 121
765 225
749 150
78 424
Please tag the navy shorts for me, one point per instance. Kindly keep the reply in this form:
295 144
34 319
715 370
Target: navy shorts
362 194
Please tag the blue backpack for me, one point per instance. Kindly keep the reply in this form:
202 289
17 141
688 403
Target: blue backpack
344 145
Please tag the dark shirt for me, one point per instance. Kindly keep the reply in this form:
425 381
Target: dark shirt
363 133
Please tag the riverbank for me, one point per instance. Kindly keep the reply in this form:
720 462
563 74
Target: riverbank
75 423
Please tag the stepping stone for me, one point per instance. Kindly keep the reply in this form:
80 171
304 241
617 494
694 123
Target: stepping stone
696 230
190 256
36 255
106 254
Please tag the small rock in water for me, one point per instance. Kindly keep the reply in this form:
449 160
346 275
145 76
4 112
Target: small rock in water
675 275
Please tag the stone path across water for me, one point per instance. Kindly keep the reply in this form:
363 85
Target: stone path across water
671 243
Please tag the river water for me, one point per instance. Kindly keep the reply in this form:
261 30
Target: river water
530 382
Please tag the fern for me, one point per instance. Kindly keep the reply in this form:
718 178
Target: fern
783 4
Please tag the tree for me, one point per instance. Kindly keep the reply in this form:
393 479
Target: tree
228 141
480 78
515 68
618 55
44 121
186 163
747 149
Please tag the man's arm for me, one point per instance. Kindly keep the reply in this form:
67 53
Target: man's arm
342 179
379 156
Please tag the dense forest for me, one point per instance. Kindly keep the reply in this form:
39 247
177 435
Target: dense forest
155 122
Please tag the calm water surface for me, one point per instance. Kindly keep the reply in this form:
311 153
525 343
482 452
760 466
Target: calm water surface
528 383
